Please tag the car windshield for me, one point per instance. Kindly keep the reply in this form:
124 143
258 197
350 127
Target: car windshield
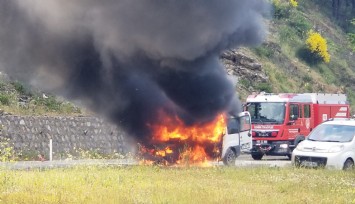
332 133
266 112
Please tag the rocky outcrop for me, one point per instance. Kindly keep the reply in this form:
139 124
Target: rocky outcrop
243 67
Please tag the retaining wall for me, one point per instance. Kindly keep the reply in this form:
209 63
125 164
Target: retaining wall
68 134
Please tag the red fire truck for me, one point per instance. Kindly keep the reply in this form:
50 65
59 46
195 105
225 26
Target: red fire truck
281 121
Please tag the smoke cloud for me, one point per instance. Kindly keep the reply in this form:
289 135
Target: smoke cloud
127 59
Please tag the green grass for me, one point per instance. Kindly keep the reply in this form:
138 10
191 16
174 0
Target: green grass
152 184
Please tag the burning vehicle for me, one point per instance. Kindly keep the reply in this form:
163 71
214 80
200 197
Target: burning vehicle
173 142
150 67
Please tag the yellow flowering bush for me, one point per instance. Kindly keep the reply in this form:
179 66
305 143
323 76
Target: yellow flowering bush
294 3
318 45
7 152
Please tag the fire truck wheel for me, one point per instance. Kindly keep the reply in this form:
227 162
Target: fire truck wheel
348 164
229 158
257 156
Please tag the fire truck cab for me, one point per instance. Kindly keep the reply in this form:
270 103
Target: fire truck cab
281 121
237 138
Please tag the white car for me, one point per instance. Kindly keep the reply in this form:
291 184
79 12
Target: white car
331 145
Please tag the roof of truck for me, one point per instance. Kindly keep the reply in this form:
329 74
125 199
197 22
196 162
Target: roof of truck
321 98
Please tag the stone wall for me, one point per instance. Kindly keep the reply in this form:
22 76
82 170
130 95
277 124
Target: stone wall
68 134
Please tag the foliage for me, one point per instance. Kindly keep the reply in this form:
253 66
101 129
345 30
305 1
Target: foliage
263 86
5 99
264 51
19 87
309 57
245 82
293 3
7 152
281 9
287 34
351 35
351 38
351 97
300 24
16 99
51 103
317 44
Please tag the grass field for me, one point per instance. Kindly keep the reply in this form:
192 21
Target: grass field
152 184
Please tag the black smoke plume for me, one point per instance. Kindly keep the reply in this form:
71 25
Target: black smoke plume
127 59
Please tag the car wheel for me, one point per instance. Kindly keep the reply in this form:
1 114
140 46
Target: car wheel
257 156
229 158
348 164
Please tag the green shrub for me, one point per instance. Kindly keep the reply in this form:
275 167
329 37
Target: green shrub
351 38
19 87
246 83
351 97
5 99
264 86
264 51
308 87
327 74
50 103
281 78
300 24
309 57
287 34
281 9
307 78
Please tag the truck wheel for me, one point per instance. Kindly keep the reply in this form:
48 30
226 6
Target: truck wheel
229 158
348 164
257 156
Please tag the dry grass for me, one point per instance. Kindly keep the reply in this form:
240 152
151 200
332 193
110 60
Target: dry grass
141 184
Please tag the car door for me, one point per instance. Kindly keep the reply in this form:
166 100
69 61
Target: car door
245 139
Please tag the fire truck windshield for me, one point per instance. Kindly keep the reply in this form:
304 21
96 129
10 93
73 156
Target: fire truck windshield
266 112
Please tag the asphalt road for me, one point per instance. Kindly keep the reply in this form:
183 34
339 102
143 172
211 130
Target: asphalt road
268 161
242 161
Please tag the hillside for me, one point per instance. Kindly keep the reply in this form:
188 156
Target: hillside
282 63
17 99
287 65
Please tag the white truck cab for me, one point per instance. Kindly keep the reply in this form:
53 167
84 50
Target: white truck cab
237 138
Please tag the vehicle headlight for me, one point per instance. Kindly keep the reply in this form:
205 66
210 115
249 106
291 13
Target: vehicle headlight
300 146
336 148
284 146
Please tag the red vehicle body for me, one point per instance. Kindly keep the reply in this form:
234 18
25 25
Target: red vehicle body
281 121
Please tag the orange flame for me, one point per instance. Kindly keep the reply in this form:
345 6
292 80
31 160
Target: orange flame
174 128
197 137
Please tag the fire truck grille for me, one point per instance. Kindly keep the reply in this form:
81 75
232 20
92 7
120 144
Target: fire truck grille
262 134
314 162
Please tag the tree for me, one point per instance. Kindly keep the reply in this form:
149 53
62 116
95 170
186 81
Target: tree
337 7
336 4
